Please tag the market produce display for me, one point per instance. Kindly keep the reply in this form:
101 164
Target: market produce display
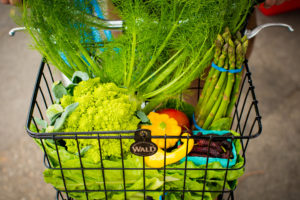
129 83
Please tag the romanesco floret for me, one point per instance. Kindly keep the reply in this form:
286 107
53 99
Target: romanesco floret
66 100
102 107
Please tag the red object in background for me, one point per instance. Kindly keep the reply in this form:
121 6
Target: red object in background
285 7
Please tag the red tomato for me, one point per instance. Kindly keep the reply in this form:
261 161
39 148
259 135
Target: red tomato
179 116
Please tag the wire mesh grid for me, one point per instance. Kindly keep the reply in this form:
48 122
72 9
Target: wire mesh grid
246 121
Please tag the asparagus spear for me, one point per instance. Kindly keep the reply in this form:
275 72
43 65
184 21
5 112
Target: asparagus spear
221 90
230 81
243 40
216 73
209 119
226 35
219 44
211 83
240 55
238 39
214 96
238 36
237 42
218 50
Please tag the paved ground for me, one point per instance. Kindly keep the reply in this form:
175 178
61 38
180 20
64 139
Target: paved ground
272 170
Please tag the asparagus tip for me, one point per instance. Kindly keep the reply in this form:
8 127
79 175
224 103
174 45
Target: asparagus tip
230 42
239 35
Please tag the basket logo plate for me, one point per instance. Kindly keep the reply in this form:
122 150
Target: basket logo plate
143 148
143 145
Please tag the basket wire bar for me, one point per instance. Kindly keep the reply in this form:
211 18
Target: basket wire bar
123 170
185 168
50 72
133 169
225 176
206 165
40 112
61 169
46 158
82 169
49 92
165 161
43 96
102 166
144 178
246 120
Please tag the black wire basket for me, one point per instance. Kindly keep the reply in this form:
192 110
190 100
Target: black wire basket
246 121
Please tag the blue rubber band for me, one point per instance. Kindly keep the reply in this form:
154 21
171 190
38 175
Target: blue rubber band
226 70
196 125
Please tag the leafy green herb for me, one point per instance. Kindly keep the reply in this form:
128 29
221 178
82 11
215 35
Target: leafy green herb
79 76
58 91
40 122
53 112
60 121
83 150
165 45
143 117
70 88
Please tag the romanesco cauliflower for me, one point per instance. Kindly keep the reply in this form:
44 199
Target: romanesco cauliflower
102 107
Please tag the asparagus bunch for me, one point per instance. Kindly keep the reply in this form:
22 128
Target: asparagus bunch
221 89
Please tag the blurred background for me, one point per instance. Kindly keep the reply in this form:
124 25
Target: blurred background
272 168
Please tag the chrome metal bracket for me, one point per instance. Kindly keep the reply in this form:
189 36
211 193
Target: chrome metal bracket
252 33
16 29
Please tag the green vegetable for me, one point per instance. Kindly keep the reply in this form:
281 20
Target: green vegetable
41 123
79 76
94 179
101 107
58 91
221 89
219 48
221 124
238 77
210 117
134 178
230 81
143 117
214 84
93 106
53 112
49 129
60 121
165 45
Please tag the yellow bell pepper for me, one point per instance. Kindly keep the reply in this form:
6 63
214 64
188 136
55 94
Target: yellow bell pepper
162 124
157 160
